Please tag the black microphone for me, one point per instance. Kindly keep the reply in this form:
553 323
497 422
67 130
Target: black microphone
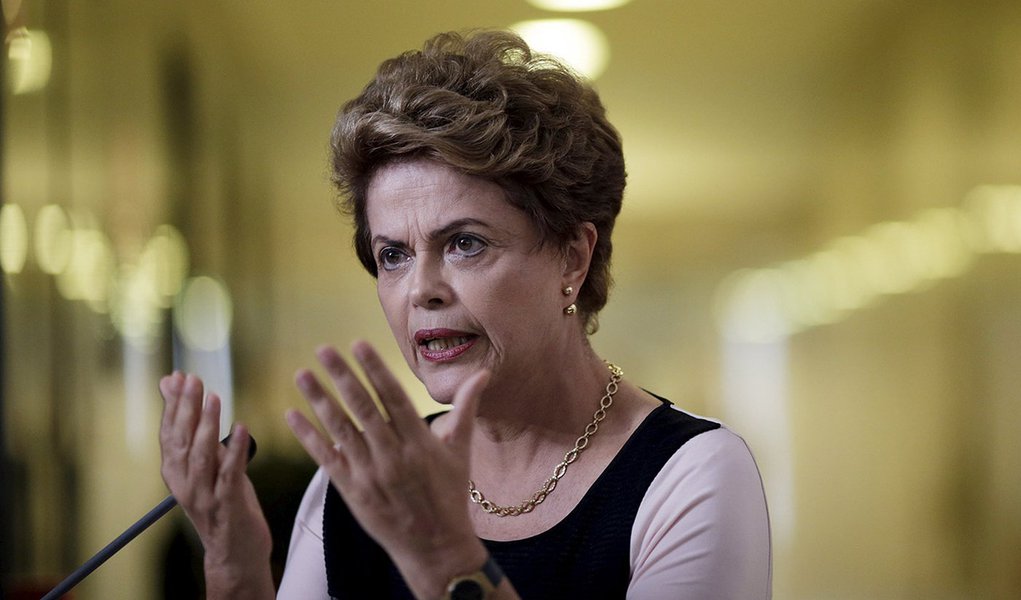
122 540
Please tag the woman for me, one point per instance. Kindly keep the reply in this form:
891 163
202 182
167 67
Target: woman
484 183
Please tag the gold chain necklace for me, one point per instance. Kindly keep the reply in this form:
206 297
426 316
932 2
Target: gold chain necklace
558 471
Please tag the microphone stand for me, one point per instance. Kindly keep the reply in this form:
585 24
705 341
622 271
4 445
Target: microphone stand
122 540
101 557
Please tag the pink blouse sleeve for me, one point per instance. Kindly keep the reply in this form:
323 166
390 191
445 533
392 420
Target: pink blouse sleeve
702 530
305 570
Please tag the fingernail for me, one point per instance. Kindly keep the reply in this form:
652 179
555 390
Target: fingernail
361 349
192 384
330 358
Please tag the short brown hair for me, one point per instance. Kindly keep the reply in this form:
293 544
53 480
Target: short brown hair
488 106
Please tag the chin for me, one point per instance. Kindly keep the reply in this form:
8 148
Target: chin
442 394
442 387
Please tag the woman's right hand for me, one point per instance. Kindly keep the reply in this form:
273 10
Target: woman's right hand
209 482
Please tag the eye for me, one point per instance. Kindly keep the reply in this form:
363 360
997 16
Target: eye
391 258
466 244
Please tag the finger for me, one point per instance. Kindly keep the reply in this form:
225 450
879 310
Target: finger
333 418
235 459
190 405
466 405
325 455
204 455
187 414
354 395
402 413
173 461
170 388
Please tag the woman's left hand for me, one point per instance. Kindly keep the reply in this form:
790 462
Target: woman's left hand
404 483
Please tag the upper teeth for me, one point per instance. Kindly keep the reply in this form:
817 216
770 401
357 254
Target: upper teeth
445 343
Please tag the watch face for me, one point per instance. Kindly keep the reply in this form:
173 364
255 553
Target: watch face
468 590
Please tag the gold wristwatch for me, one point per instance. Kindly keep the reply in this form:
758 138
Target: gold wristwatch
479 585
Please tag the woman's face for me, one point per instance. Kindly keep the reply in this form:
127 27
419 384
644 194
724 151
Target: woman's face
462 278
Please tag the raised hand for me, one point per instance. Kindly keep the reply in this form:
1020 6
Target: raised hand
209 482
405 484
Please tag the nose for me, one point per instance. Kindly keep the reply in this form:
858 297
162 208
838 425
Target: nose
429 288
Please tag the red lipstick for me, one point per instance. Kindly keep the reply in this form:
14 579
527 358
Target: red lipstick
442 345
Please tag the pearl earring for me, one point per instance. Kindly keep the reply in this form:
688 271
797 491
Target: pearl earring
570 310
568 290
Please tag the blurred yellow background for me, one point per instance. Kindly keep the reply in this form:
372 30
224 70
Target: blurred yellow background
820 245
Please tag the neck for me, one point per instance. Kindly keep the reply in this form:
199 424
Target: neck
535 418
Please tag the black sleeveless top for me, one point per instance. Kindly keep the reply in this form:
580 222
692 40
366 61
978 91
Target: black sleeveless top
585 555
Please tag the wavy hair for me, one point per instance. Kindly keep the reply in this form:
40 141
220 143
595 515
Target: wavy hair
486 105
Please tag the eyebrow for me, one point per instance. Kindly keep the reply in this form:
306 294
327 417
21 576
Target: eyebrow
438 233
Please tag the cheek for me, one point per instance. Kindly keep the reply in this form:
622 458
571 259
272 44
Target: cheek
519 299
394 309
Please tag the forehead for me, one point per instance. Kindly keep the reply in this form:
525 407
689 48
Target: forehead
424 194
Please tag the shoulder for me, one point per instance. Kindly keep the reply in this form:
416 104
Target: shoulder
704 521
713 463
717 454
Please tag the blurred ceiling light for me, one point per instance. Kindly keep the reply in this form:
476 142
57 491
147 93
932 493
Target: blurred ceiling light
98 270
29 57
577 5
52 239
165 257
147 288
747 306
894 240
579 44
90 274
203 314
757 305
135 312
866 264
13 238
806 295
946 234
996 211
838 286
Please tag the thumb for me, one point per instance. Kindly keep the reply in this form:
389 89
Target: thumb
466 404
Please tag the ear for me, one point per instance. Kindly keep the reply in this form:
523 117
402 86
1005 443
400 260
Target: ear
578 255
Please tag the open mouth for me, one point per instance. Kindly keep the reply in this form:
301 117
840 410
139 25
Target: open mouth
440 345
